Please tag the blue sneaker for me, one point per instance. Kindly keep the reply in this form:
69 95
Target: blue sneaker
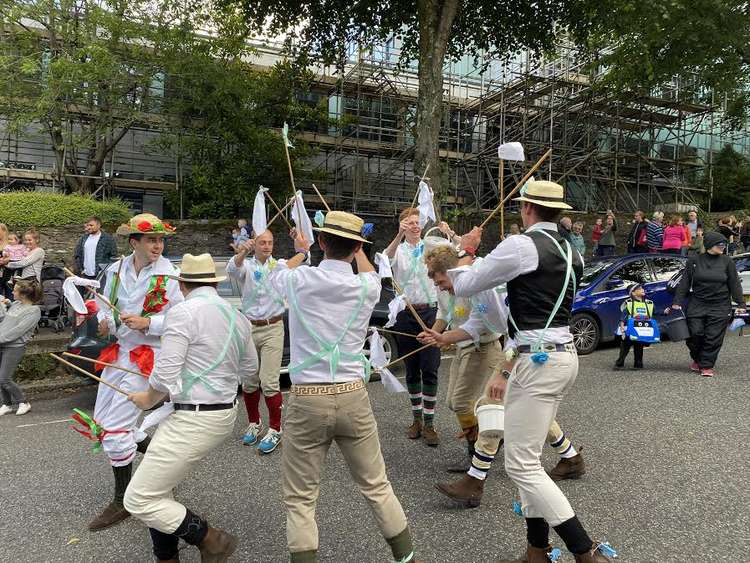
269 442
254 430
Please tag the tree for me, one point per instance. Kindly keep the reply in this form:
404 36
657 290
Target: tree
228 113
84 70
731 181
621 36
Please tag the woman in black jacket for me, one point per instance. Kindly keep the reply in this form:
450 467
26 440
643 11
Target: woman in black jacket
710 284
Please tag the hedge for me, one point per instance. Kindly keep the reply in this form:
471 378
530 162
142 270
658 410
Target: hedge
41 209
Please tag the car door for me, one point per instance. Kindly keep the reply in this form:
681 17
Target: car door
614 289
663 269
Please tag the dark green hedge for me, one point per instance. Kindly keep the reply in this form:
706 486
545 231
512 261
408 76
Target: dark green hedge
40 209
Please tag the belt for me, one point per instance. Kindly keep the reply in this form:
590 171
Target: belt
421 306
266 322
202 407
328 388
567 347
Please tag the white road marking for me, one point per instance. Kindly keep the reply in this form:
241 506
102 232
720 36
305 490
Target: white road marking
42 423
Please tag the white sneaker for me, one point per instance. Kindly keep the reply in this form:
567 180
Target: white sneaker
5 409
23 408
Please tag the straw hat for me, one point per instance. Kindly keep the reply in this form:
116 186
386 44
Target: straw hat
544 193
345 225
146 224
198 269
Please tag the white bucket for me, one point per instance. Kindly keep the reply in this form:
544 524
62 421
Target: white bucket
491 420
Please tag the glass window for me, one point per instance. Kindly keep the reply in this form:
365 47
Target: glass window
632 272
666 268
592 271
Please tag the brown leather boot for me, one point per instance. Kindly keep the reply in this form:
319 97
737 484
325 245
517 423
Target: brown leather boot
468 491
217 546
113 514
430 436
415 430
572 468
533 555
593 556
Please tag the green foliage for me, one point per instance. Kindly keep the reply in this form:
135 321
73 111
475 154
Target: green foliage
38 209
642 45
229 111
731 181
35 366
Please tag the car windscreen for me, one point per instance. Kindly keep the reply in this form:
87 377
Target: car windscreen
593 270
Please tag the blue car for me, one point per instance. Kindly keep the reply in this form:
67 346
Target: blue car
604 286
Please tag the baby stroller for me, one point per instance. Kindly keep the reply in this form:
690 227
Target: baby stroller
54 307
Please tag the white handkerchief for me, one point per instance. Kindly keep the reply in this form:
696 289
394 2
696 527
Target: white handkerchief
300 217
73 296
384 265
155 417
396 305
260 219
426 206
511 151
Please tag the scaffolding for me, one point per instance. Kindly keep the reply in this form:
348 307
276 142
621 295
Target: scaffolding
610 151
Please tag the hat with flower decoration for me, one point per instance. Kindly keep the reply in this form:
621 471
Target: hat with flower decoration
345 225
146 224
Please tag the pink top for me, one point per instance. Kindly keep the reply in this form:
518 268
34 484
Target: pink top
16 251
674 238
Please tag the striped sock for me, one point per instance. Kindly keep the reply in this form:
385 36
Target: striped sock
480 465
415 396
429 397
564 447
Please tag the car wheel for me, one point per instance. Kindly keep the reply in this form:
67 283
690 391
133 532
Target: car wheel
586 333
389 347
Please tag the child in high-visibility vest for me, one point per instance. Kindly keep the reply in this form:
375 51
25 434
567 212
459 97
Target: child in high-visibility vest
639 308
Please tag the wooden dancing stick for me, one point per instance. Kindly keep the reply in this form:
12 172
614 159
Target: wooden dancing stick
288 203
84 372
519 185
321 197
389 364
411 307
96 295
93 361
381 329
288 224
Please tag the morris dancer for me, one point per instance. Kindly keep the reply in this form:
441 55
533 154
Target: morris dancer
541 270
140 287
406 253
264 307
474 360
206 348
329 312
487 315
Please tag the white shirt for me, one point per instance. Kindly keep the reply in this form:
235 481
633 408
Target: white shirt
513 257
260 300
456 311
131 295
488 311
89 254
197 340
326 298
410 273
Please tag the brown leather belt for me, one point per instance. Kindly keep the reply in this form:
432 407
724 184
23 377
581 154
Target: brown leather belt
328 389
421 306
266 322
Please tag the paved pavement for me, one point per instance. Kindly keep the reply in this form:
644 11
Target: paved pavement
667 478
